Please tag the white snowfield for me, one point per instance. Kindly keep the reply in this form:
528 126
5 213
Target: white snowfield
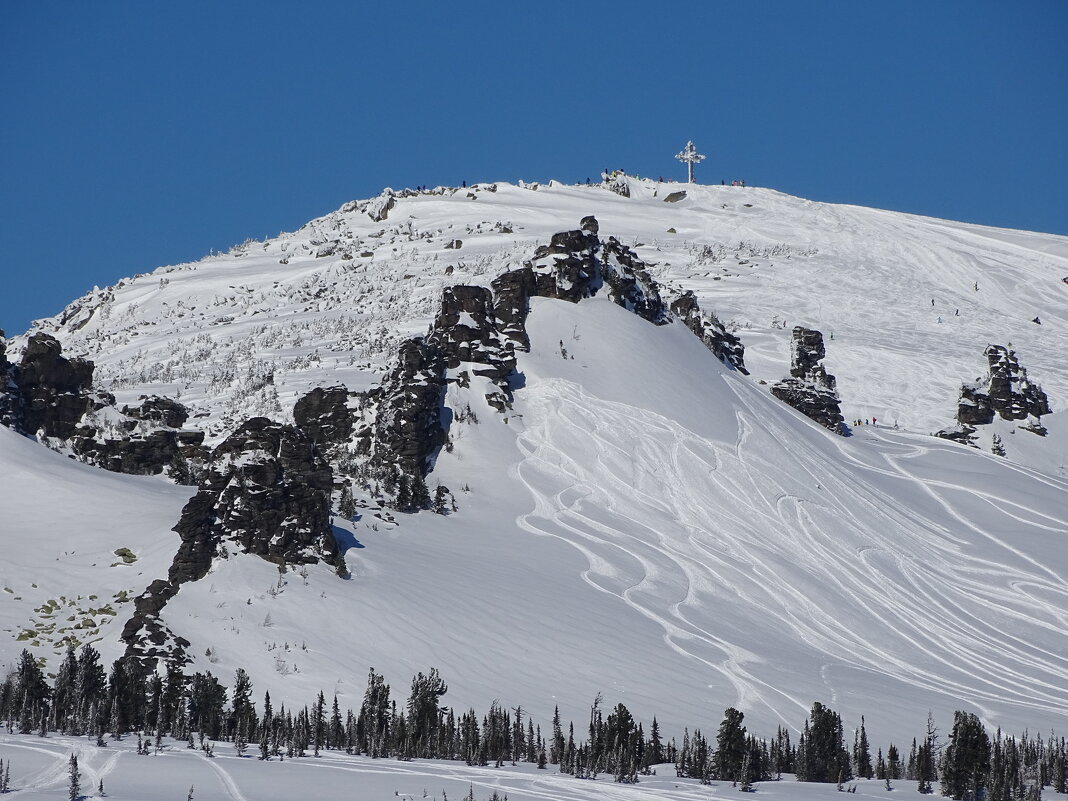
645 523
213 331
40 772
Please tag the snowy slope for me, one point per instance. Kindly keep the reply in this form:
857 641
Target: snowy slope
669 535
643 523
40 773
213 331
62 524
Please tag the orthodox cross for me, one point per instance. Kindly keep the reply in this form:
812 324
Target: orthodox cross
690 155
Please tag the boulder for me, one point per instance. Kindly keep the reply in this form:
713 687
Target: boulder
158 409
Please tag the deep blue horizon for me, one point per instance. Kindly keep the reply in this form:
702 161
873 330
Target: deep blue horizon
136 135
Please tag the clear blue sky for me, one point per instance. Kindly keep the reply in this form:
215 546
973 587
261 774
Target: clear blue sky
138 134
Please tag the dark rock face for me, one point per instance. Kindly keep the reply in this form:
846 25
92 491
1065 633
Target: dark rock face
675 197
157 409
630 284
466 331
147 638
324 416
406 429
1007 392
806 353
267 489
140 454
727 347
50 395
810 389
567 268
53 390
1012 395
973 408
9 392
148 441
512 292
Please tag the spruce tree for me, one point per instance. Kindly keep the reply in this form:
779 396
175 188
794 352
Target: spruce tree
862 754
966 762
730 746
74 785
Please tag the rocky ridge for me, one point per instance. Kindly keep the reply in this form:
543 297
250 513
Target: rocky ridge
402 423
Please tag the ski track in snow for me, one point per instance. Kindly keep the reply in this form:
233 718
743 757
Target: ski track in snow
227 781
714 552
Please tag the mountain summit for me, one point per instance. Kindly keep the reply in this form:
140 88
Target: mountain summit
678 440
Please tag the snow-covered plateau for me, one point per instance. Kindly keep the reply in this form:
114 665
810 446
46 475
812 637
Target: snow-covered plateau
640 520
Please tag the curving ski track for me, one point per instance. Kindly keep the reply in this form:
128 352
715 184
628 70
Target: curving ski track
823 555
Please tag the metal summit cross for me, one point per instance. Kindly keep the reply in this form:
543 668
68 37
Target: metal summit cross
690 155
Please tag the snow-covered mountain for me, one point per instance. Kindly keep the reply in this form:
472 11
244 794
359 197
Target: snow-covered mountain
633 516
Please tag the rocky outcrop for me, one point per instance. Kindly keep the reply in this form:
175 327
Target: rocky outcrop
145 441
141 454
727 347
266 492
630 284
1012 395
512 292
619 184
477 333
266 489
1006 391
160 410
324 415
51 396
148 639
10 401
54 392
405 413
378 208
810 388
567 268
467 333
